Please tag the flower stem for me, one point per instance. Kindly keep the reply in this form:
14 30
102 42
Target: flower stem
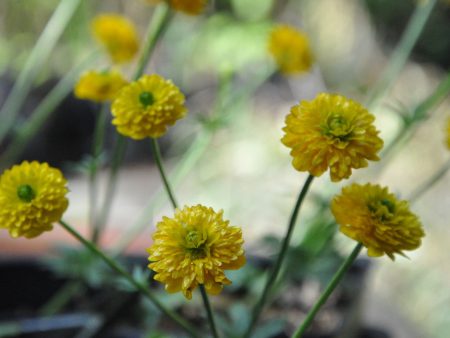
209 311
139 287
402 51
328 291
97 146
157 155
40 54
281 256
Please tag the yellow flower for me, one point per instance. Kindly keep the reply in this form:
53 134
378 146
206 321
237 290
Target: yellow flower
448 133
372 216
146 107
118 35
195 247
333 132
191 7
290 49
99 86
32 197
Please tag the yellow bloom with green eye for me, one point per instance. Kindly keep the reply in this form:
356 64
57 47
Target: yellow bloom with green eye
146 107
191 7
99 86
195 247
291 50
118 35
374 217
32 198
333 132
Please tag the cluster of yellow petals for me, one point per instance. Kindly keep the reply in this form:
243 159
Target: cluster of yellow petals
195 247
99 86
191 7
333 132
146 107
32 198
374 217
118 35
290 49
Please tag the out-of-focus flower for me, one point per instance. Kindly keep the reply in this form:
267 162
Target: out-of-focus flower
333 132
118 35
191 7
372 216
32 198
99 86
195 247
146 107
290 49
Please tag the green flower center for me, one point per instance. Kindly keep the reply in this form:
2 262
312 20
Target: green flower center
337 127
195 244
146 99
26 193
383 209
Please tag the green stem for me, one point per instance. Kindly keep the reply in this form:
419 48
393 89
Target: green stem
402 52
38 56
419 113
424 187
209 311
139 287
61 298
42 112
156 29
97 146
328 291
281 256
157 156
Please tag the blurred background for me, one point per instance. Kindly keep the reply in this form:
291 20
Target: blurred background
227 152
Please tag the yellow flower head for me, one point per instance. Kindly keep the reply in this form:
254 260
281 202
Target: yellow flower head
448 133
32 197
333 132
191 7
372 216
99 86
290 49
146 107
195 247
118 35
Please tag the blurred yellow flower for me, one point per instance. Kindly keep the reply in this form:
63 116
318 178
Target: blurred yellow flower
191 7
372 216
146 107
448 133
333 132
32 197
118 35
99 86
290 49
195 247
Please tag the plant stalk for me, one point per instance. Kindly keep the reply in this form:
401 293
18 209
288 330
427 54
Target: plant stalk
280 259
139 287
328 291
209 311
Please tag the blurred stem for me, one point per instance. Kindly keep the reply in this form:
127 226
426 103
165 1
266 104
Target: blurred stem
424 187
42 112
167 187
38 56
402 52
281 256
209 311
328 291
61 298
419 113
122 272
97 147
156 28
